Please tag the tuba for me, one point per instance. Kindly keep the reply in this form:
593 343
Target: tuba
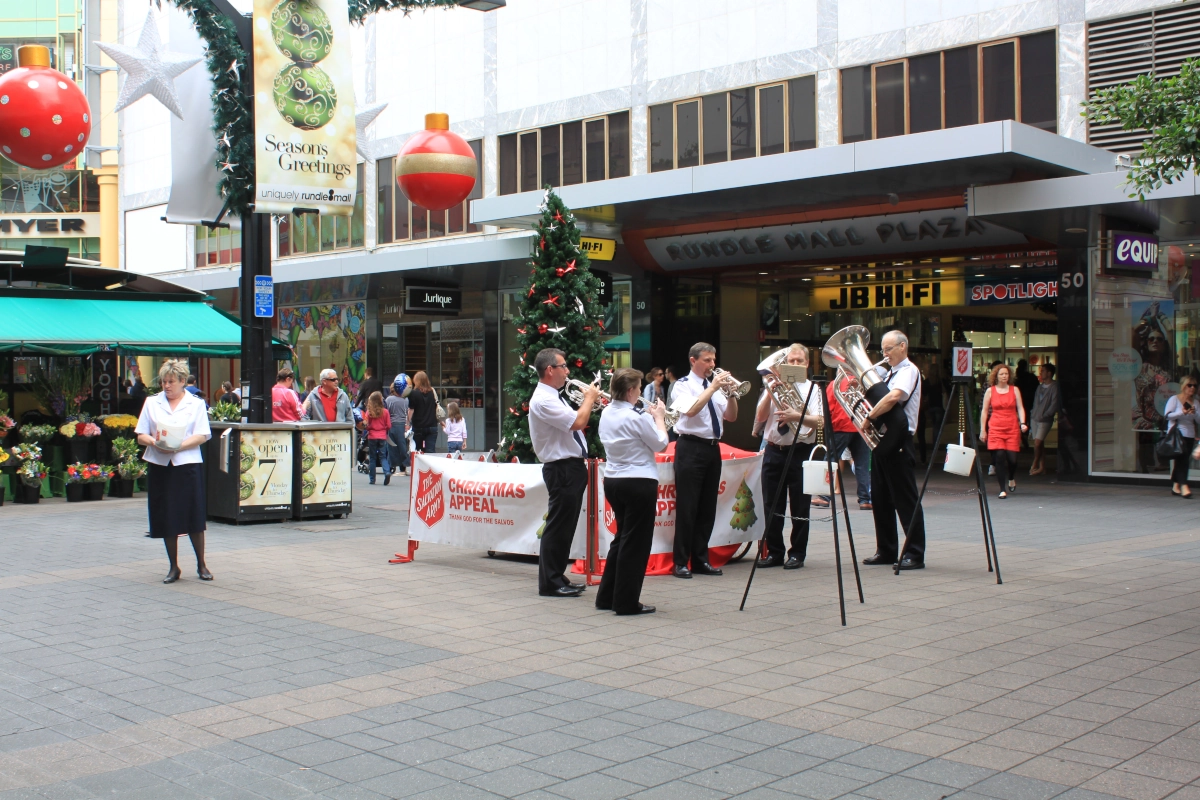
846 351
784 393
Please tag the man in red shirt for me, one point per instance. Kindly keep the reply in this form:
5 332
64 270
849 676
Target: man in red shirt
846 435
285 404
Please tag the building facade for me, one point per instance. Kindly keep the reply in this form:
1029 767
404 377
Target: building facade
760 173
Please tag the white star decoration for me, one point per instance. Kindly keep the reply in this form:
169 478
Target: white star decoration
559 329
363 120
149 70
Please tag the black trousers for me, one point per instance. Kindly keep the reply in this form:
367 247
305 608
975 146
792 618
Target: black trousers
1179 466
566 481
894 492
697 481
1005 462
633 501
774 457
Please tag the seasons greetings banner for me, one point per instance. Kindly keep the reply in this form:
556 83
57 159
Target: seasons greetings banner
304 134
502 507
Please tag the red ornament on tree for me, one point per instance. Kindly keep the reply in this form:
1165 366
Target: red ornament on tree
532 289
44 117
587 327
543 328
437 168
515 413
551 301
521 331
579 362
559 271
570 267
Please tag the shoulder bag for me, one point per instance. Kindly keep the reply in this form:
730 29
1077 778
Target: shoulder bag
1171 445
440 412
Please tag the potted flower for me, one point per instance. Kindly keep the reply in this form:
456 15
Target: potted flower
117 425
128 472
30 473
6 461
38 435
79 435
75 477
98 475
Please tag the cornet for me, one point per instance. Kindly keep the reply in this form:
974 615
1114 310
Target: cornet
737 390
574 390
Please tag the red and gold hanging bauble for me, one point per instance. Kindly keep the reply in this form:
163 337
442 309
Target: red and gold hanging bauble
437 168
543 328
44 116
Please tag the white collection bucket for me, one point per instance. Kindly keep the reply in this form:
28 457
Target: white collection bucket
816 475
959 459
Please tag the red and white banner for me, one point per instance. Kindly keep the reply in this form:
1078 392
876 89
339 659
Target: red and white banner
502 507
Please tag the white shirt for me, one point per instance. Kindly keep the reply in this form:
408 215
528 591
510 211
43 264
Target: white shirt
907 378
630 441
700 425
191 415
813 407
550 421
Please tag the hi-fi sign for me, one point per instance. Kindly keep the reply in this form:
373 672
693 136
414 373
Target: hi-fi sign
915 293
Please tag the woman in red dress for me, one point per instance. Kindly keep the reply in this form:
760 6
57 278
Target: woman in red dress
1003 423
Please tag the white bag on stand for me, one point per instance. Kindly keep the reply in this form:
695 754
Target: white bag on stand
960 460
816 475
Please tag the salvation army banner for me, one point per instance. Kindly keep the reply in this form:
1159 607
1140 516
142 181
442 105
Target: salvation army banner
304 135
502 507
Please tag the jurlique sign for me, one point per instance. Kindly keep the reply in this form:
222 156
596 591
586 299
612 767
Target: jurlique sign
886 234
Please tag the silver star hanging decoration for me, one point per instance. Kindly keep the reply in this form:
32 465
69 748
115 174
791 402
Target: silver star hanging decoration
559 329
227 166
579 305
362 120
149 69
225 141
236 69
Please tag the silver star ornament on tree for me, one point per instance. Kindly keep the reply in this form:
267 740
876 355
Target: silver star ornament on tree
149 69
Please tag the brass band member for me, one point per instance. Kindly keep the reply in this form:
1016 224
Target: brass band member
779 439
698 459
893 484
554 428
631 437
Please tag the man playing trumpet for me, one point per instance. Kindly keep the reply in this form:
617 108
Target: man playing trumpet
777 420
698 458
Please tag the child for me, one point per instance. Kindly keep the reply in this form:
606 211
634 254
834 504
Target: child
379 421
456 429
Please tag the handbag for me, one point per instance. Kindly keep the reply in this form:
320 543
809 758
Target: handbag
1171 445
440 412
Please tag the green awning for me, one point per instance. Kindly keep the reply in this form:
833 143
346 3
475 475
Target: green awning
74 327
618 342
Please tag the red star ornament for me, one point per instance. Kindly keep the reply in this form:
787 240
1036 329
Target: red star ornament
570 266
552 300
521 331
532 289
558 216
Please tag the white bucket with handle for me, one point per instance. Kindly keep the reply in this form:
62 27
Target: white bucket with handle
816 475
960 460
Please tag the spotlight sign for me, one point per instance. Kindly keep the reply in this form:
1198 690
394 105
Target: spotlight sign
304 134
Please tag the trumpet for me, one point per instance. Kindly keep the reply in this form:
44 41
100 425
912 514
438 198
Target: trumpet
574 393
737 390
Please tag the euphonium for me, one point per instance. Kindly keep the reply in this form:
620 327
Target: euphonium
846 351
737 390
785 393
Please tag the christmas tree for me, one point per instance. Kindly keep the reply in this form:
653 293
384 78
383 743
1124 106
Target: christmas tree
560 309
743 508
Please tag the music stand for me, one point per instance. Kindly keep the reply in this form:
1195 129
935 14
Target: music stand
960 386
831 464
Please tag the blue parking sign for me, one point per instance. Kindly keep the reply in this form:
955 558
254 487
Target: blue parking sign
264 296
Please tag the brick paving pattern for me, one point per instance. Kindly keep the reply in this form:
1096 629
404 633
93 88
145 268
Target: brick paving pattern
312 668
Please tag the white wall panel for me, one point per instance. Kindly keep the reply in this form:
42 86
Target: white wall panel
153 246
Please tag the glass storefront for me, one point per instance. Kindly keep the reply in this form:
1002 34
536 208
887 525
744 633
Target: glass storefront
1141 348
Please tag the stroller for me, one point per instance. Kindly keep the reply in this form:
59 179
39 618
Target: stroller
361 456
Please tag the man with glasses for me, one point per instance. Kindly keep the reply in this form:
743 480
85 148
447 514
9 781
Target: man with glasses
556 431
893 484
328 403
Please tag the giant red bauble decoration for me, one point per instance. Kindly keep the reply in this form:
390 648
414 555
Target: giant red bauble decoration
436 168
44 116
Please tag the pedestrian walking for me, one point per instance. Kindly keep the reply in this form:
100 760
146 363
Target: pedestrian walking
1003 423
846 436
285 405
378 422
1047 402
397 405
368 387
1181 412
309 384
422 414
329 403
655 390
456 429
172 426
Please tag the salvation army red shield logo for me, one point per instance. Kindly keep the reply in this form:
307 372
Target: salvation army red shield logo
610 519
429 503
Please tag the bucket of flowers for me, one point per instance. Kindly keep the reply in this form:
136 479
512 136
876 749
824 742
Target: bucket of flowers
39 435
129 466
98 480
30 473
117 425
80 435
77 477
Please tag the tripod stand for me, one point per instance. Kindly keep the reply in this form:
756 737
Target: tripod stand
832 466
960 386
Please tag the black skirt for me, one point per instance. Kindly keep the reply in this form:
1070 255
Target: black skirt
176 500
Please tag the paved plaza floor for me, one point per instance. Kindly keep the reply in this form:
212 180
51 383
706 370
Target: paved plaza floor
312 667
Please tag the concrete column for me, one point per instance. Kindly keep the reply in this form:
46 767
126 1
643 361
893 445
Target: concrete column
110 217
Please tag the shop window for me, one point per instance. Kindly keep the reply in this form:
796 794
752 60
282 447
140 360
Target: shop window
1011 79
563 155
307 234
400 220
727 126
217 247
47 191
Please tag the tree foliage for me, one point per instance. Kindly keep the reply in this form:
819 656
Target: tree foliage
560 309
1169 109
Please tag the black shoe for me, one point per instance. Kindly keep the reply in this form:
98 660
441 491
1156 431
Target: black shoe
203 574
908 562
681 572
387 479
704 568
642 609
770 561
172 576
563 591
793 563
580 586
603 608
879 560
